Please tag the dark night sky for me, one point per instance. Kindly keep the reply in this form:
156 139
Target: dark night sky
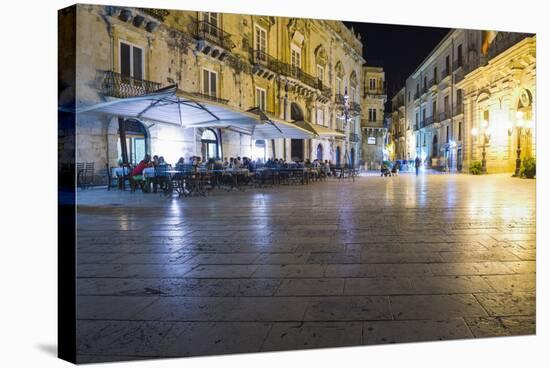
399 49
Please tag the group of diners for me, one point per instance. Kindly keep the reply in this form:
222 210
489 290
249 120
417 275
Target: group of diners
195 174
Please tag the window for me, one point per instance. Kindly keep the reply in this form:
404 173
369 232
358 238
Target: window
211 23
409 96
435 73
434 108
447 65
338 86
372 83
459 52
423 114
320 116
296 56
352 94
320 72
424 138
209 82
447 134
460 131
340 123
261 99
446 104
372 115
260 43
416 120
131 61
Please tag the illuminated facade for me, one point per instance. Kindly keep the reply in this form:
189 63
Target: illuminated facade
398 127
292 69
373 128
471 72
499 104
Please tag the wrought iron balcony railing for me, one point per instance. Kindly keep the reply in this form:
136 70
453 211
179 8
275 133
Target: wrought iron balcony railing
376 91
444 115
160 14
459 109
444 74
457 64
260 57
117 85
205 31
354 137
429 120
433 82
416 95
209 97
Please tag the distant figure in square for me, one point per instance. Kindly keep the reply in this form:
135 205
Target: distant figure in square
417 164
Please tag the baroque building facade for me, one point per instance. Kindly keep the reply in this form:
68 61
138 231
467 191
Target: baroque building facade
400 132
374 130
470 72
303 71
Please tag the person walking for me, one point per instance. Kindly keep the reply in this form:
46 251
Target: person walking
417 165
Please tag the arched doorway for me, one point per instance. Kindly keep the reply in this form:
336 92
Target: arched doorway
434 147
137 141
337 155
320 152
296 145
209 144
259 150
352 158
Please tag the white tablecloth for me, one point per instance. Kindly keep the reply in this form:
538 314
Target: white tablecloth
149 172
118 171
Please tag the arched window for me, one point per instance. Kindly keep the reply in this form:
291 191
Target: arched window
337 156
434 147
339 82
259 150
136 141
321 61
209 144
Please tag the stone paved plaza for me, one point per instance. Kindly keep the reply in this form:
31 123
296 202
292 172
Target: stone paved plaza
381 260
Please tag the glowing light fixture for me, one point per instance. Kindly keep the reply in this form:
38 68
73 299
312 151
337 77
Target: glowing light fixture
474 132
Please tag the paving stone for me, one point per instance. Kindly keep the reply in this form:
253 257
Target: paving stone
502 326
290 271
208 338
225 309
512 283
478 256
521 266
111 307
301 287
125 338
219 287
313 335
351 270
471 268
378 286
405 307
508 304
450 285
351 308
222 271
387 332
224 258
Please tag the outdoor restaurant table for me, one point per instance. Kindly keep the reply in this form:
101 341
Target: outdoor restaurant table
121 171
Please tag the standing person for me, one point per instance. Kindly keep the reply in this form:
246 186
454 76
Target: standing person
417 164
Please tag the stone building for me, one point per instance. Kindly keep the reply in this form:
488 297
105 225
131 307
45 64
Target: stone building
435 98
293 70
500 104
373 129
398 127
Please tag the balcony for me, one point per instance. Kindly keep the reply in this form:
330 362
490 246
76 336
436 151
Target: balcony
116 85
444 116
433 83
209 97
355 106
212 40
416 95
503 41
444 74
353 137
379 91
267 66
458 63
459 109
429 120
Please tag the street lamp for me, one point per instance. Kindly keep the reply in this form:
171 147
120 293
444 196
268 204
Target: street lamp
346 117
486 134
522 127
